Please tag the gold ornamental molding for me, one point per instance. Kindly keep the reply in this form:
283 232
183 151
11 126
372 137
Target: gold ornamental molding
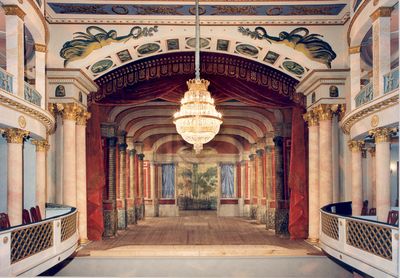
14 10
381 12
324 112
69 111
352 119
41 145
15 135
383 134
355 145
82 118
40 47
354 49
311 118
35 113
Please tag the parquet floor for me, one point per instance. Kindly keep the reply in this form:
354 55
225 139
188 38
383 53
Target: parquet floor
197 234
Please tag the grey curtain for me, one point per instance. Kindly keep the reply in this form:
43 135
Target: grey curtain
227 181
168 181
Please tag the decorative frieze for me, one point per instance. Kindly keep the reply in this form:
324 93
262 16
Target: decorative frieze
41 145
355 146
383 134
15 135
14 10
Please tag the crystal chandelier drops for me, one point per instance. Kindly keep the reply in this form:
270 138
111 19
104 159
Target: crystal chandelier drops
197 121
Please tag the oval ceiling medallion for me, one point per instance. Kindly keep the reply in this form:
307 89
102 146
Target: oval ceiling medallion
148 48
192 42
293 67
101 66
247 49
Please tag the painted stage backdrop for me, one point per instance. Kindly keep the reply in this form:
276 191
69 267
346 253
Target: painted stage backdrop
197 186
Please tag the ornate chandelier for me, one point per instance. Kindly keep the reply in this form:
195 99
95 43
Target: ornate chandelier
197 121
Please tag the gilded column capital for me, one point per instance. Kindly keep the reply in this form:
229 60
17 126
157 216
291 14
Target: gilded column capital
40 47
355 145
69 111
41 145
14 10
381 12
311 118
324 112
354 49
382 134
81 118
15 135
132 152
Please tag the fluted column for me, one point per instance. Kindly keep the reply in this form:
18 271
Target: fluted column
41 148
313 176
15 46
81 196
110 213
131 201
270 210
15 139
356 176
260 185
371 178
121 204
355 74
325 154
40 71
252 178
382 167
380 47
141 185
69 113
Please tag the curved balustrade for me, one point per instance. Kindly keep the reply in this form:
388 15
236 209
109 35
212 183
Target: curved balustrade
365 95
31 249
6 81
31 95
369 246
391 81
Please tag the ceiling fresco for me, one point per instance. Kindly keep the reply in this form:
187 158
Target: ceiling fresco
209 10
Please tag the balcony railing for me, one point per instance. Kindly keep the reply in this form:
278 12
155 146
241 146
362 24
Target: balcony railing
31 249
365 95
369 246
391 81
31 95
6 81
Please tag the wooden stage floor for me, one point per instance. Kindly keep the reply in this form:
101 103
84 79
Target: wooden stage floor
197 234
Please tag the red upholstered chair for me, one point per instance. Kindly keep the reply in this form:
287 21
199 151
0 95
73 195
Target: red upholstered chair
393 217
39 215
34 215
26 219
4 221
372 211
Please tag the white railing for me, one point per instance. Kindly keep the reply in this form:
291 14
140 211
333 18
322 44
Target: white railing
391 81
369 246
6 81
31 95
32 249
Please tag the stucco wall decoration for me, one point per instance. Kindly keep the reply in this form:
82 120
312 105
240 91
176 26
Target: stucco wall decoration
299 39
95 38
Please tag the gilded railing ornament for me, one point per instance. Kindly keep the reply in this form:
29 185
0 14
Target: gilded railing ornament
383 134
15 135
355 145
41 145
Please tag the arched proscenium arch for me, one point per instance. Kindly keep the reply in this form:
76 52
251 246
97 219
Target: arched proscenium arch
182 64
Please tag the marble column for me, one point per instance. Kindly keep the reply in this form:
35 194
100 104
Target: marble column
380 47
270 209
40 71
121 202
15 139
130 210
281 211
41 148
109 212
335 159
382 168
260 186
152 170
81 196
252 185
313 176
356 176
355 74
15 46
69 112
325 154
371 177
141 186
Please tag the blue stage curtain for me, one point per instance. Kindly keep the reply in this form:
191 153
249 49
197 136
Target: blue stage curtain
227 181
168 181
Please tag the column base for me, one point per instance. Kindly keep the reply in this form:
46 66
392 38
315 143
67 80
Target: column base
270 218
261 214
282 222
138 213
110 219
253 212
122 219
130 211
